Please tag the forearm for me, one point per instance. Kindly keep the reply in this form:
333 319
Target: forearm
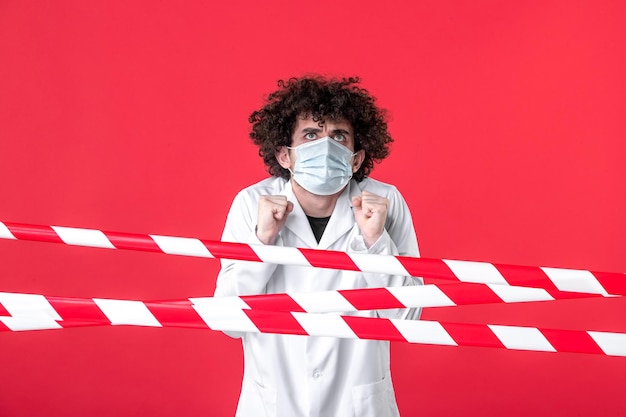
385 246
244 277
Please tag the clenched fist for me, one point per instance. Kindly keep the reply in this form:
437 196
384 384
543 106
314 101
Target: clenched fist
273 212
370 211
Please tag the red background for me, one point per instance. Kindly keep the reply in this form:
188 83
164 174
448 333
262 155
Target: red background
132 116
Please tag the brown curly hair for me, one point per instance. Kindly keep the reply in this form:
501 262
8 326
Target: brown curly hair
321 98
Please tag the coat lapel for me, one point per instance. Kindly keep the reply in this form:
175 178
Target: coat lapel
297 221
342 220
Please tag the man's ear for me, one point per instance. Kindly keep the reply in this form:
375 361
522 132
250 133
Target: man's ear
357 161
282 156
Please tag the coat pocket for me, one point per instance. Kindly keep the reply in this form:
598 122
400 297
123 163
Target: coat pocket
375 399
256 400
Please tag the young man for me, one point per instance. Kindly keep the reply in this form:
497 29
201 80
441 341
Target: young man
319 139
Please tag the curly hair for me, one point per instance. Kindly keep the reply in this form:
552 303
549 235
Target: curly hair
321 98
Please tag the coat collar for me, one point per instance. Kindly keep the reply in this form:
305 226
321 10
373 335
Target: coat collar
341 220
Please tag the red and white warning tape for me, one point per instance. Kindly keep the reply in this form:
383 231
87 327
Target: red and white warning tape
350 300
561 279
431 295
31 312
299 313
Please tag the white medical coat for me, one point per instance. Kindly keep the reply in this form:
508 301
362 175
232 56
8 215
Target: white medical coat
290 376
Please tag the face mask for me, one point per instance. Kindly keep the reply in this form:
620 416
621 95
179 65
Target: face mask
322 166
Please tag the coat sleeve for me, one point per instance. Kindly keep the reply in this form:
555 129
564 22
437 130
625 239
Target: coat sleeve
398 239
243 277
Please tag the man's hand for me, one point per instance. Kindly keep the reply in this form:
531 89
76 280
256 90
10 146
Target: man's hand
370 211
273 212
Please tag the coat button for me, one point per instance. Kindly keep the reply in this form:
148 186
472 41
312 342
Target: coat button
317 374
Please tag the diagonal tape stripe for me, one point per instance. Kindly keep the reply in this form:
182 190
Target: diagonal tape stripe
132 242
611 343
422 296
273 302
331 325
127 312
465 334
329 259
83 237
322 302
28 312
3 311
525 276
84 308
176 314
231 250
281 255
372 299
378 263
428 332
577 342
469 293
574 280
33 232
427 268
270 322
479 272
523 338
612 283
182 246
5 233
378 329
521 294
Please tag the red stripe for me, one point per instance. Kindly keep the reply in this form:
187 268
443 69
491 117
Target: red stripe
78 310
465 334
132 241
329 259
176 314
427 268
564 295
4 328
33 232
4 311
272 322
78 323
272 302
230 250
376 329
571 341
469 293
612 282
371 298
526 276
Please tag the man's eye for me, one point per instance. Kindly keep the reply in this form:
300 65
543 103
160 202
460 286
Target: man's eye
339 137
310 136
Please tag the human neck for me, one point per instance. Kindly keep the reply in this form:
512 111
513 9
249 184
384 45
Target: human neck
315 205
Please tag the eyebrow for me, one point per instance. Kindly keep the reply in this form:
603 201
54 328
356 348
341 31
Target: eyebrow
343 131
317 130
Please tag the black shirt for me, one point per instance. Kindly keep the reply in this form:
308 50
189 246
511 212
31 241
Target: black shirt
318 225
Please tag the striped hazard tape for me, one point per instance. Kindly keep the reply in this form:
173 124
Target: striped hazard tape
548 278
318 314
37 312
